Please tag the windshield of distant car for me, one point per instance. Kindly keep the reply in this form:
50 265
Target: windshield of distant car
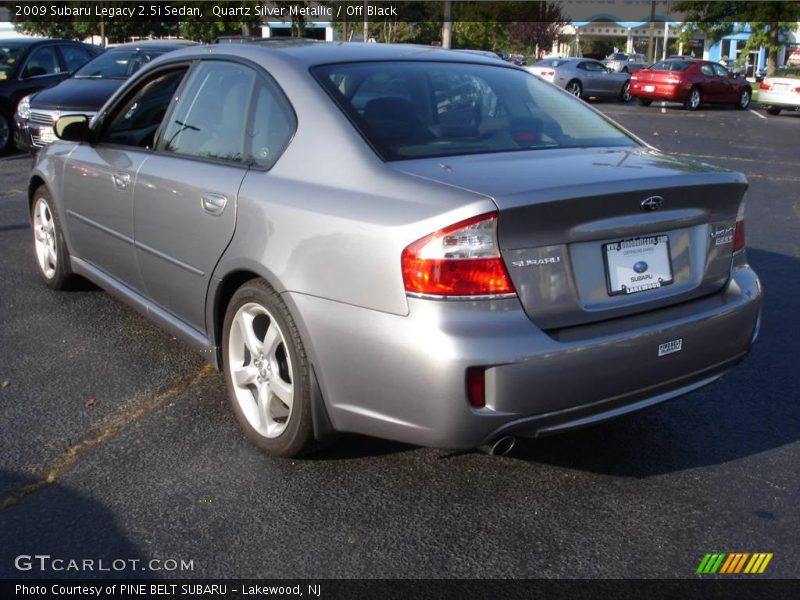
117 64
416 109
9 59
671 65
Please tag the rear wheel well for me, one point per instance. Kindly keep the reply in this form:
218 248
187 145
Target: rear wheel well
232 282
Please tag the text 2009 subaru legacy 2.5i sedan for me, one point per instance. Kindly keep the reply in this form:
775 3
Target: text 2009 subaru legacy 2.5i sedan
405 242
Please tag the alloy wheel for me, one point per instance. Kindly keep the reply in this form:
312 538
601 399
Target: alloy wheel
744 99
574 88
261 370
694 99
44 231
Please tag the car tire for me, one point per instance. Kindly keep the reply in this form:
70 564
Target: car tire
744 100
575 88
645 101
625 93
694 99
269 384
50 249
6 132
774 111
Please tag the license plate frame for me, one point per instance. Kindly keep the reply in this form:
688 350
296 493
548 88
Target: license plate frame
640 247
649 88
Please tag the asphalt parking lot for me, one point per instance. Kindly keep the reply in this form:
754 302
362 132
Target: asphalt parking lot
117 442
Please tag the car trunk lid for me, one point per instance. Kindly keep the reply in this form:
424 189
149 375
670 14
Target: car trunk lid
560 208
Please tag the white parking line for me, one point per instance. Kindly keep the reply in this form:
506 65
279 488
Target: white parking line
759 115
663 107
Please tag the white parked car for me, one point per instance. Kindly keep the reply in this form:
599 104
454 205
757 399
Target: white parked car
546 68
781 91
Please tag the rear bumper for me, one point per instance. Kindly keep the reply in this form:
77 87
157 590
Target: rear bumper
403 378
666 92
779 100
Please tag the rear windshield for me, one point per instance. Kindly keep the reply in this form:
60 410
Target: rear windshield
551 62
428 109
671 65
117 64
793 72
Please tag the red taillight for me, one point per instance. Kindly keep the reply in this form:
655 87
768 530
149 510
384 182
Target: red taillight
476 386
764 86
548 73
796 90
738 235
460 260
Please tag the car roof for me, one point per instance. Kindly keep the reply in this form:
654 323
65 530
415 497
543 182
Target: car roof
154 44
306 54
28 41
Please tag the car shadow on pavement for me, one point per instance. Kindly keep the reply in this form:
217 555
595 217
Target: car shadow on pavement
753 409
52 520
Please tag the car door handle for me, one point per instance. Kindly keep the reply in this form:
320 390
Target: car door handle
214 204
121 179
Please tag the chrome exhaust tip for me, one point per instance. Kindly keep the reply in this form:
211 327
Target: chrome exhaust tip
502 445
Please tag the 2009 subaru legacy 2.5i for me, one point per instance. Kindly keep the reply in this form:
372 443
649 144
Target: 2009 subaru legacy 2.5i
404 242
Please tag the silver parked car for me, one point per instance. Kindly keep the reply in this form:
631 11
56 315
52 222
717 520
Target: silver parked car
625 63
406 242
589 78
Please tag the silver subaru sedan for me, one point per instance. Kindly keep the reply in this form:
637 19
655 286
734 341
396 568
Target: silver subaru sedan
405 242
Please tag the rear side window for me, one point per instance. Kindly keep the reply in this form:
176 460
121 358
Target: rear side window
43 61
272 125
210 119
445 109
671 65
74 56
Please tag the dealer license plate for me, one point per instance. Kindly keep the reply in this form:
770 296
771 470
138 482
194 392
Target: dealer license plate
637 265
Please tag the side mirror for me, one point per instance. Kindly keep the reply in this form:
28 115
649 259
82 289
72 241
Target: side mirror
73 128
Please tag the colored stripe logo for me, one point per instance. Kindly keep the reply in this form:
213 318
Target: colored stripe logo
734 563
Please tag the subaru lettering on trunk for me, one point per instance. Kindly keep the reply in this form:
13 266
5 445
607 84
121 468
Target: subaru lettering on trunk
400 241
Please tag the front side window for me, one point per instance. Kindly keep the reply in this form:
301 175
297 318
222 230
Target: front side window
43 61
210 119
136 120
447 109
721 71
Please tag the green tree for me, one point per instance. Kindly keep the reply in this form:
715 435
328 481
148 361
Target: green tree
231 23
768 22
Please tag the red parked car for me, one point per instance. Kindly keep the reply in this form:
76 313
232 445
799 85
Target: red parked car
690 82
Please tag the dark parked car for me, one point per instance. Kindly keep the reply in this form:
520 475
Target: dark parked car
690 82
85 92
30 65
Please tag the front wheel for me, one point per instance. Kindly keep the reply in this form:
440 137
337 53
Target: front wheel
744 100
267 372
694 99
625 94
52 255
645 101
574 87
